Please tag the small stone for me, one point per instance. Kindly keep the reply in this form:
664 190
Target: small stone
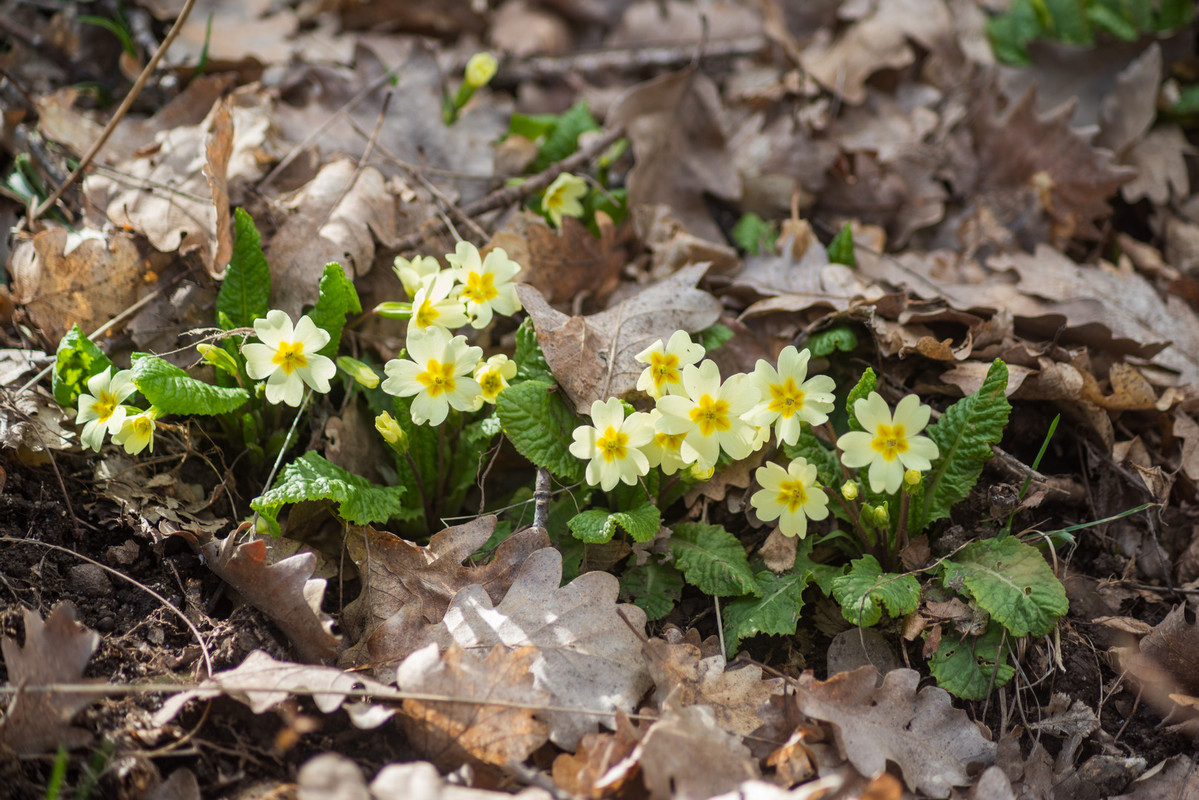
89 580
123 554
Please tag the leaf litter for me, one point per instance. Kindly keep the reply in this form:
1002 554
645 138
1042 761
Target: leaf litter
984 213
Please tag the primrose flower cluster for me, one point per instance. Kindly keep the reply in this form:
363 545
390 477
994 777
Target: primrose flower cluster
440 370
102 411
697 416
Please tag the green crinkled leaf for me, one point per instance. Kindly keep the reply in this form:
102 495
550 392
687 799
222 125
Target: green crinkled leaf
865 386
653 587
865 590
775 611
964 667
173 391
540 426
828 468
755 235
822 574
840 249
964 436
563 138
838 337
715 336
713 560
76 360
246 291
336 299
598 525
530 360
311 477
1012 582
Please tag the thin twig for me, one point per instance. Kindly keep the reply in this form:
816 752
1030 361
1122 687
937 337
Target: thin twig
631 59
514 194
541 498
123 109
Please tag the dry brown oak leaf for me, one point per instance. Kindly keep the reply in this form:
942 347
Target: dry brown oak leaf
262 683
593 358
935 745
737 697
472 730
55 651
285 591
680 147
407 587
686 755
589 648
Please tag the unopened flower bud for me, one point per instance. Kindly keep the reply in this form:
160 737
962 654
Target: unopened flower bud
394 310
218 357
480 69
360 372
881 516
391 432
849 490
702 474
912 478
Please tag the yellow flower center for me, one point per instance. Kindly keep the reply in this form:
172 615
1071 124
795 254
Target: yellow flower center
669 441
786 398
491 383
664 367
143 427
613 445
711 415
792 495
290 356
105 404
479 287
426 315
890 441
438 377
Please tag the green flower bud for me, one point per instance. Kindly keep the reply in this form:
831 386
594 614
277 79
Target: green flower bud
218 357
849 490
360 372
882 517
394 310
391 432
480 69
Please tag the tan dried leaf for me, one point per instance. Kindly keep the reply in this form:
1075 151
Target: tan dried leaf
337 216
472 730
216 170
737 697
62 280
569 265
935 745
418 583
686 755
589 655
262 683
681 150
55 651
285 591
603 763
593 357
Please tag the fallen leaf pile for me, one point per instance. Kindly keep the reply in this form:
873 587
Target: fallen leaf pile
1039 214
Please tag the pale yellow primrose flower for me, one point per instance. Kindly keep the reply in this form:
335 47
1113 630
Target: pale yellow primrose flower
436 305
612 445
789 397
663 450
664 373
480 69
437 371
789 495
287 357
412 274
137 432
486 283
710 415
101 411
563 198
888 444
493 375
